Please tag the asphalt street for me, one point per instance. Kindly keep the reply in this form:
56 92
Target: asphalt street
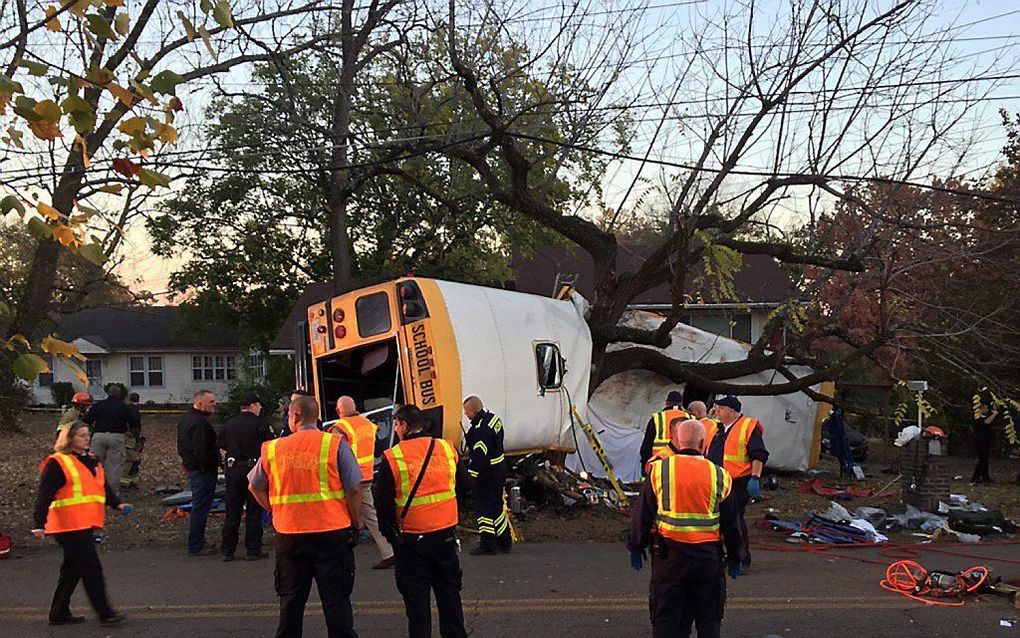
554 590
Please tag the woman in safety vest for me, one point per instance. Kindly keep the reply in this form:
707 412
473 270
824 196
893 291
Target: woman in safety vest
69 507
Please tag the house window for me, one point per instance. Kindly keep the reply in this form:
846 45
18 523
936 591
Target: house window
45 379
146 370
735 326
94 369
550 366
257 364
213 367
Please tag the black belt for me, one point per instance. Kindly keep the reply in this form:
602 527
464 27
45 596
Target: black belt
233 462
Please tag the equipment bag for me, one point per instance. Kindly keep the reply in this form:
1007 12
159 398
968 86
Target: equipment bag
5 546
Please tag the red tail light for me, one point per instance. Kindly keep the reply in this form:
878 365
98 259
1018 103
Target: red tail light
340 332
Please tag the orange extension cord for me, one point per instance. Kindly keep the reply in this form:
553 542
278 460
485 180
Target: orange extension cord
908 578
905 575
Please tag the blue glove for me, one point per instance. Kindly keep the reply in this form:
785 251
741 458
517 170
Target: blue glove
128 508
637 559
733 569
754 487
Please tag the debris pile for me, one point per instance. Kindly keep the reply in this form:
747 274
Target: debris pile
960 519
544 483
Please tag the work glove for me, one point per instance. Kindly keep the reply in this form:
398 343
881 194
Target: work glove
637 559
733 569
754 487
126 508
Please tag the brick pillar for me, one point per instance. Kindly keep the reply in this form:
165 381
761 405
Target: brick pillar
927 473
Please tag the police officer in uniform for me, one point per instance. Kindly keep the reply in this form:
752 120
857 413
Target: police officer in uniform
739 446
311 482
657 430
416 500
685 511
241 441
487 468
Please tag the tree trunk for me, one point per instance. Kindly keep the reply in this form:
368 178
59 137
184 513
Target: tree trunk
340 178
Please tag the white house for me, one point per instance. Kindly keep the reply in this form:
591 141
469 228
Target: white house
150 350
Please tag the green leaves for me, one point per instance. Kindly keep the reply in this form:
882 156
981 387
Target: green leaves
9 203
98 25
38 228
121 23
152 179
93 252
222 14
80 113
166 82
28 366
37 69
189 28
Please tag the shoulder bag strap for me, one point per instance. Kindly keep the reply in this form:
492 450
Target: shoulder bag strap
417 481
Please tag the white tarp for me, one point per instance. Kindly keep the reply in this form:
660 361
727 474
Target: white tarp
621 406
497 332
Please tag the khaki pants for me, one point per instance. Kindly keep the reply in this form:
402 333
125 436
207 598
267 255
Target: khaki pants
372 522
110 449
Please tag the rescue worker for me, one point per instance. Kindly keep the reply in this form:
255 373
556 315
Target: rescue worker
360 433
241 440
80 404
685 507
487 468
134 443
740 448
657 429
416 496
111 420
70 506
699 411
311 483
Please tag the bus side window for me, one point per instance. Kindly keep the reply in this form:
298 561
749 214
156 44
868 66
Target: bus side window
550 367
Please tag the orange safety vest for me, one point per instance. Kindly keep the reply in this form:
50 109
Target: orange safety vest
434 506
661 453
360 433
735 458
662 421
305 490
688 490
711 428
79 503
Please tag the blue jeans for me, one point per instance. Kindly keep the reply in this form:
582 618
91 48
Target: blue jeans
203 486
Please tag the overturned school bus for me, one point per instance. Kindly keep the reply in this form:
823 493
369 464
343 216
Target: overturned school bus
432 343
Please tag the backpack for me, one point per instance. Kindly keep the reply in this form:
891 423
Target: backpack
5 546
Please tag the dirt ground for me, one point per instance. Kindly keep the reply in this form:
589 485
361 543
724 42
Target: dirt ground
20 455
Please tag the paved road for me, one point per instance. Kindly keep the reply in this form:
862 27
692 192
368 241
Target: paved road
555 590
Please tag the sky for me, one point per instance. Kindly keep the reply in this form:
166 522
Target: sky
985 45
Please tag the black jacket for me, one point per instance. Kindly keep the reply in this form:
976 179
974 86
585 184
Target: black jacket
485 446
112 415
196 443
242 436
52 479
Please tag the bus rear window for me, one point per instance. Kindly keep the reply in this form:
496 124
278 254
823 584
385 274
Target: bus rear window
373 314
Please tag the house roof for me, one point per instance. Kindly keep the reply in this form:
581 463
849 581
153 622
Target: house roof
141 328
314 293
761 280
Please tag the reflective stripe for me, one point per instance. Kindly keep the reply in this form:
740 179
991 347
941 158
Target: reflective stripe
741 456
352 438
667 487
689 519
483 446
496 423
77 491
661 428
324 493
499 459
405 480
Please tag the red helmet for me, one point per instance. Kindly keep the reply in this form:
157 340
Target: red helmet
81 397
934 432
